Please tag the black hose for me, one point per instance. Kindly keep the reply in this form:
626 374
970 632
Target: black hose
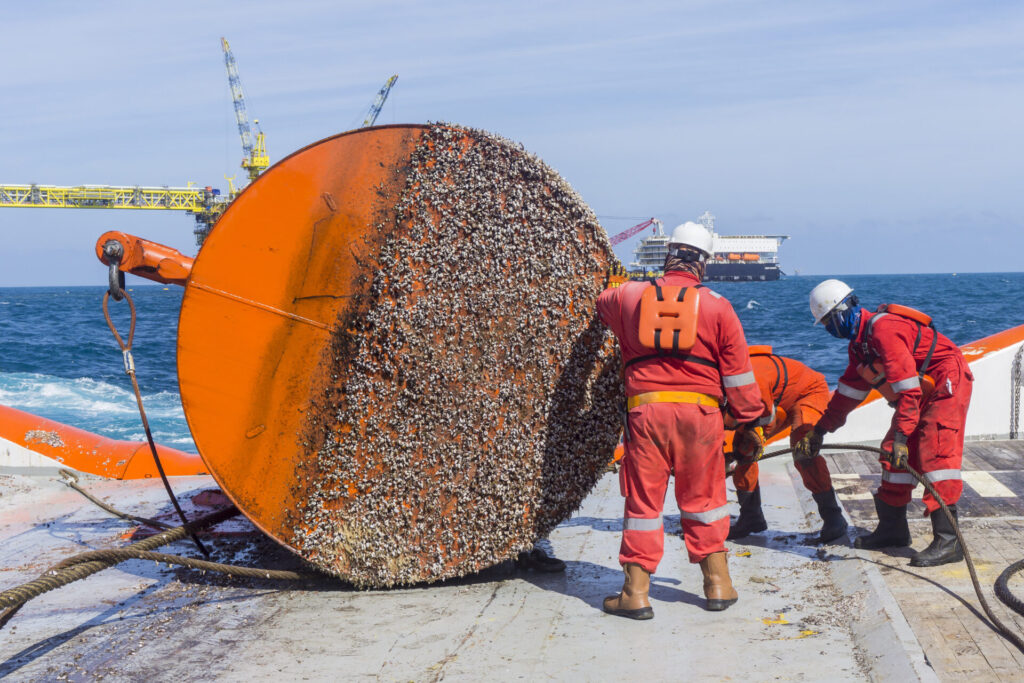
1001 588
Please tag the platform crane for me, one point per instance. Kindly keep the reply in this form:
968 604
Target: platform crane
255 160
629 232
378 102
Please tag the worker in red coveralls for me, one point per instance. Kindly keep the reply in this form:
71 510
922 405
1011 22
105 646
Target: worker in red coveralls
897 350
793 396
684 352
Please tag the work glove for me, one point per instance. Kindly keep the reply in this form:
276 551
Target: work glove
615 276
748 443
809 446
899 454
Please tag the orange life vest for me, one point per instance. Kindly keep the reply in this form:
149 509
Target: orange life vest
668 323
873 373
668 318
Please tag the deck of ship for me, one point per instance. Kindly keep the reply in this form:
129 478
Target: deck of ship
805 613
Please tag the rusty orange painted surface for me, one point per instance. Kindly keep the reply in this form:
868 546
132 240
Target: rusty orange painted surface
264 291
87 452
150 260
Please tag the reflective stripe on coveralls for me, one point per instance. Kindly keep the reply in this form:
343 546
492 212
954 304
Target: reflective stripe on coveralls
905 478
739 380
849 392
643 523
708 516
913 382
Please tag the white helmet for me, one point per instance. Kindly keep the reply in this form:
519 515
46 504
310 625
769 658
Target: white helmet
826 296
693 235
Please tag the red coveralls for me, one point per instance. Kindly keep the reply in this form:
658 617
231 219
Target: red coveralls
802 394
934 427
684 439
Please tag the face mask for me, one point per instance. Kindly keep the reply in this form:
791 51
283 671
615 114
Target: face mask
844 324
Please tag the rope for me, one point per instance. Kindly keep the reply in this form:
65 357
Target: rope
1001 588
129 369
68 570
86 564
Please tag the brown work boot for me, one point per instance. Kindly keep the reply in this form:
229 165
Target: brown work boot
717 584
632 602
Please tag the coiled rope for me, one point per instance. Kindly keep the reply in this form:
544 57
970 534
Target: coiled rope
1001 588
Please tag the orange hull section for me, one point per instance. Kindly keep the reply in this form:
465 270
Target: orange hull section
87 452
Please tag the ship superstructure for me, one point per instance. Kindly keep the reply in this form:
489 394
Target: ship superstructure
736 257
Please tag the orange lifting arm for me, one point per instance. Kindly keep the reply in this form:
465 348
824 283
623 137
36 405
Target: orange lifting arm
144 258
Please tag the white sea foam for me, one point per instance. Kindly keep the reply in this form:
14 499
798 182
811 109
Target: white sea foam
95 406
752 304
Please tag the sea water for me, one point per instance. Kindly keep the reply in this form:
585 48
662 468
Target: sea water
59 360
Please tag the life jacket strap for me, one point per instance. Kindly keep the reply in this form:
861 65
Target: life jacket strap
685 357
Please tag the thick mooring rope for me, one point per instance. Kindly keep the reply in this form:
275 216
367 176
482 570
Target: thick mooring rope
88 563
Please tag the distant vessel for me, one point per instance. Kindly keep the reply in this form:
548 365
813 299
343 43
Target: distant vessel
736 257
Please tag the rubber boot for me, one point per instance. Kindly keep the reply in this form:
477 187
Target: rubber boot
834 525
892 530
717 585
539 561
944 547
751 519
632 602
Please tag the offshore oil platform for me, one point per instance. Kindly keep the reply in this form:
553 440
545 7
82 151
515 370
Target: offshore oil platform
206 204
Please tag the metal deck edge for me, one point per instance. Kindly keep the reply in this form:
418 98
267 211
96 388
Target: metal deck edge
881 631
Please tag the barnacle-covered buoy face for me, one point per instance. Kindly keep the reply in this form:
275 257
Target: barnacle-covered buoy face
389 357
477 398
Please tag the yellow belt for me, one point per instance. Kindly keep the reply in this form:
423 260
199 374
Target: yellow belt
671 397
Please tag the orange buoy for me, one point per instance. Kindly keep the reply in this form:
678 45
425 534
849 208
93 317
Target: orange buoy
388 354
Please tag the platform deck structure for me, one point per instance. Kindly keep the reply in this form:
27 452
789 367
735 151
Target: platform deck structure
805 613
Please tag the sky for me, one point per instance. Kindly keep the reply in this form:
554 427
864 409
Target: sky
881 137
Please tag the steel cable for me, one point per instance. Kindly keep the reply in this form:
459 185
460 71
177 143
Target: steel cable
71 480
1001 588
129 369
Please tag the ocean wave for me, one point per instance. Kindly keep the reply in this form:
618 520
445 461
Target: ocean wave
83 394
753 303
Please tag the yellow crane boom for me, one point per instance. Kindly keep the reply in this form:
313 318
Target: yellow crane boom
255 159
205 203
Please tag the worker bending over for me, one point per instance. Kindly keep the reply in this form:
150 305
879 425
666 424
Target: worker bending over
897 350
681 345
794 396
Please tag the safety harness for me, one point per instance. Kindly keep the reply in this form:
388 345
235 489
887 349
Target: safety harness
871 369
781 377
